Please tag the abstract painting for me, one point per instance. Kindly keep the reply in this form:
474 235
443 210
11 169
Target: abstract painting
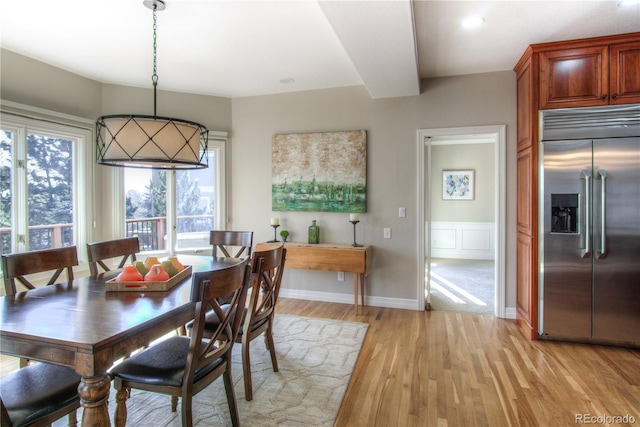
319 172
457 185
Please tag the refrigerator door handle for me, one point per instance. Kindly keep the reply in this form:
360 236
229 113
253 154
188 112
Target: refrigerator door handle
602 253
586 175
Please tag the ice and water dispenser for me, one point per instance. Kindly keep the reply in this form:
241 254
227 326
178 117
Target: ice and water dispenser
564 213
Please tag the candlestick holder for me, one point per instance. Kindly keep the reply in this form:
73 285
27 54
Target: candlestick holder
355 245
275 228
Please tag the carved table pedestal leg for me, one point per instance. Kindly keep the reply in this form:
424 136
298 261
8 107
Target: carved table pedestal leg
94 394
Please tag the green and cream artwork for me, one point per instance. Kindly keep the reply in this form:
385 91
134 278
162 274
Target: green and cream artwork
320 172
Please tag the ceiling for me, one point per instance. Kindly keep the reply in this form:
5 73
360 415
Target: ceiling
246 48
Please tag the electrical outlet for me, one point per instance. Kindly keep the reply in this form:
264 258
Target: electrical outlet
387 233
402 212
340 276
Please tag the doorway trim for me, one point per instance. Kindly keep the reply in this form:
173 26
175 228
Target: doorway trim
424 193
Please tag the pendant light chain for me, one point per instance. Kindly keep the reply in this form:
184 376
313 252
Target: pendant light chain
154 77
154 142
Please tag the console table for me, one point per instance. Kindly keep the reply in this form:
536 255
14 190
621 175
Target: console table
331 257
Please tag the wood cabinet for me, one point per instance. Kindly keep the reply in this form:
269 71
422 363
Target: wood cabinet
526 212
590 76
526 296
624 73
574 77
568 74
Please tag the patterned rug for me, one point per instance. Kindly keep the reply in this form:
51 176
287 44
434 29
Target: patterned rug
315 357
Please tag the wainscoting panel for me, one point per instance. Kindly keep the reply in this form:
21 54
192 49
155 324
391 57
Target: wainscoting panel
463 240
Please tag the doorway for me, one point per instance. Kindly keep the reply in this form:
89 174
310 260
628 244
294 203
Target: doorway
478 242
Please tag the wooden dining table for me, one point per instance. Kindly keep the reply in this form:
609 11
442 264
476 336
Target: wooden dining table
81 325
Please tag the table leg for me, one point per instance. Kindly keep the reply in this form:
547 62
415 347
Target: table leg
355 293
94 395
362 290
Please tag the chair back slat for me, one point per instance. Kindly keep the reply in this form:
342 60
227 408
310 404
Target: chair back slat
269 266
97 252
16 266
233 244
230 284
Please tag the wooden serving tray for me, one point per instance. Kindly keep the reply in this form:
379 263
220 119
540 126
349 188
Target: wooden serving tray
113 286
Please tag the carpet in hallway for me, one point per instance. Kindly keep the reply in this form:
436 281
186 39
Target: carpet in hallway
462 285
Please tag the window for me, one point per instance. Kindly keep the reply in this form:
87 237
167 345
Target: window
43 171
189 203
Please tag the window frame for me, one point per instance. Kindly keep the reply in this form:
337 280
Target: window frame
217 142
22 120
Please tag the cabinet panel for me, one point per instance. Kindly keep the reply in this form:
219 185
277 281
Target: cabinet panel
527 289
574 77
525 102
625 73
525 200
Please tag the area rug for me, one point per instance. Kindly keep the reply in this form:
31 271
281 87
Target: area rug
315 357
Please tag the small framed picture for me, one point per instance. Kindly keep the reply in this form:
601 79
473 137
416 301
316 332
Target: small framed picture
458 184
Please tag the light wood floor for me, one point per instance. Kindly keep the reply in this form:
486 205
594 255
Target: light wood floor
451 369
443 368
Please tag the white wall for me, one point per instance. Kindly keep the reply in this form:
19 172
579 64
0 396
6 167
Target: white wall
480 158
392 125
35 83
463 229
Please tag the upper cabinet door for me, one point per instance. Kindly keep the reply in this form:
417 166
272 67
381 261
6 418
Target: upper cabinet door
625 73
574 77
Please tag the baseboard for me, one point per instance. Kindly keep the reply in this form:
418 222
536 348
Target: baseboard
406 304
510 313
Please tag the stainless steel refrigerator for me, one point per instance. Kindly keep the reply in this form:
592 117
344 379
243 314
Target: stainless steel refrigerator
589 248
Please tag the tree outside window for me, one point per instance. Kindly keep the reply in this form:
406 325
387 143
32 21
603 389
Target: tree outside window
49 190
146 201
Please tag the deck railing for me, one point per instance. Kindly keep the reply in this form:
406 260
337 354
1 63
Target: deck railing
151 232
40 237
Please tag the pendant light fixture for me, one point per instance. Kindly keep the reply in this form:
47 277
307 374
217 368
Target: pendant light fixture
139 141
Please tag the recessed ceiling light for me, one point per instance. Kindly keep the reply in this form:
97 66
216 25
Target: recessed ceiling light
625 3
287 81
473 22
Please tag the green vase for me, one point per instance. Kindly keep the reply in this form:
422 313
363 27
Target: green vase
314 233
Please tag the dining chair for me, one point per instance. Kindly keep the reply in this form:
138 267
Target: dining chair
39 394
224 241
260 312
258 315
98 252
16 266
182 366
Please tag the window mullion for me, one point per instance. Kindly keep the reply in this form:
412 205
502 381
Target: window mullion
172 211
19 188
